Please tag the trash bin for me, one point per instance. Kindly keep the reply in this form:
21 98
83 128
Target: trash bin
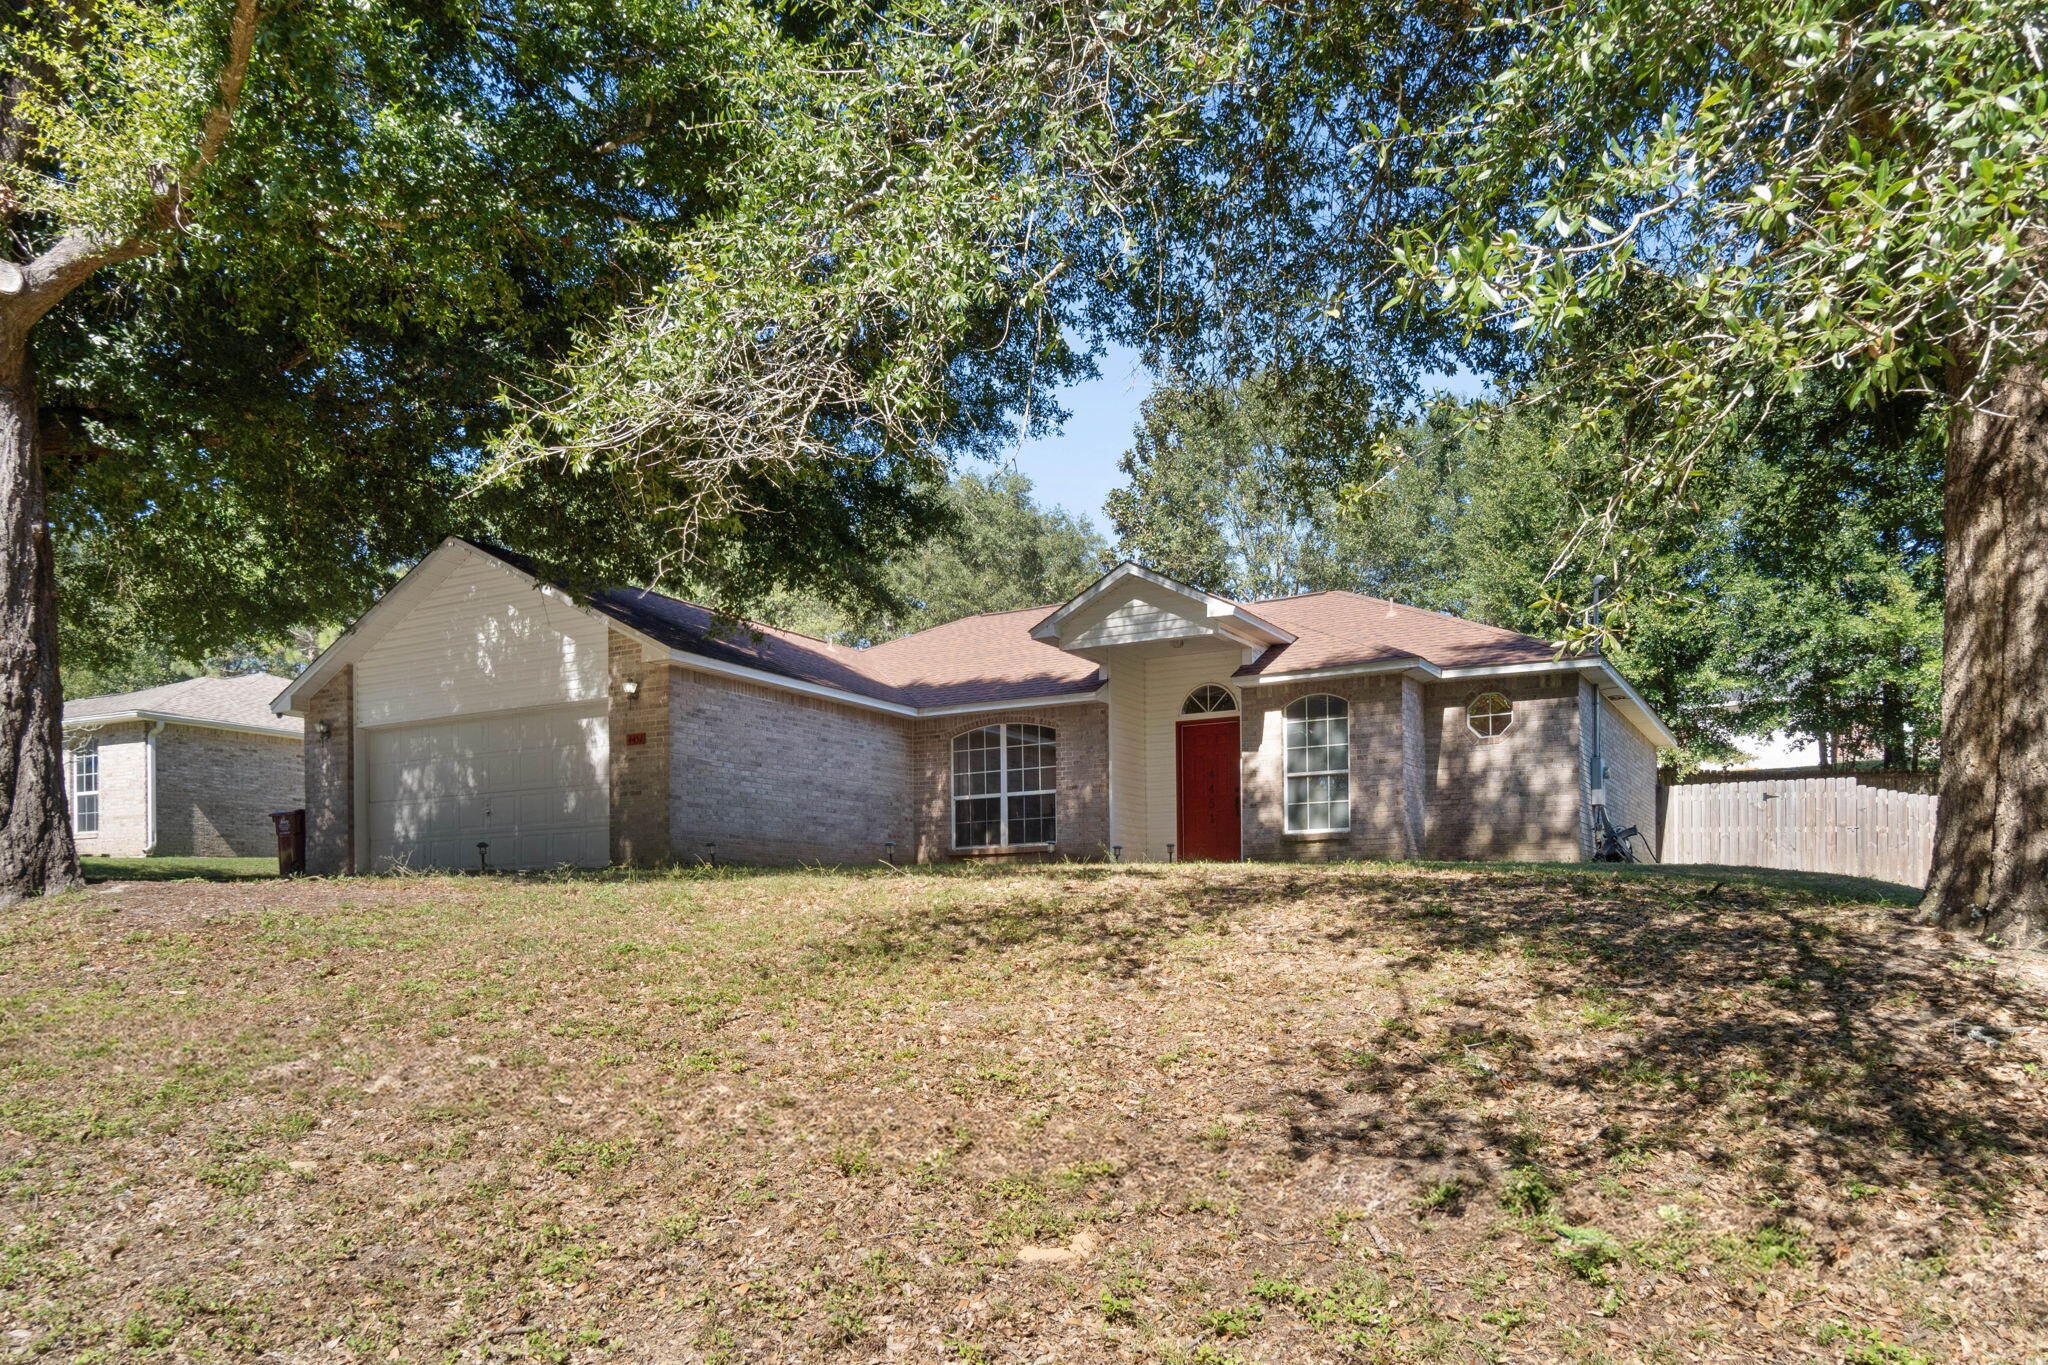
291 841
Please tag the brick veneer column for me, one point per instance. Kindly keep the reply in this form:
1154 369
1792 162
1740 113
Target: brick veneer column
640 748
331 776
1414 771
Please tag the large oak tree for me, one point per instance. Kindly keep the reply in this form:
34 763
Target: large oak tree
290 287
1774 192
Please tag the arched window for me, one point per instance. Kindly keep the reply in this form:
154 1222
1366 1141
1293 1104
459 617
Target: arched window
1206 698
1003 786
1490 714
1318 765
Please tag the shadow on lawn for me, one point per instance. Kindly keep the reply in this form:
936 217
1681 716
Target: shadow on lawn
1736 1023
1739 1027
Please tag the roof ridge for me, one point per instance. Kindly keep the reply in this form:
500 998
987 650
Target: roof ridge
177 684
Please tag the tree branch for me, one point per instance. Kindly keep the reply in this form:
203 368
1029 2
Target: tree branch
31 290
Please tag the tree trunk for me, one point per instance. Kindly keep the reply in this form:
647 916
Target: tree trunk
1990 869
36 850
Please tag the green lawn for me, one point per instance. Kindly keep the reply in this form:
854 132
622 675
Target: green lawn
1196 1114
177 869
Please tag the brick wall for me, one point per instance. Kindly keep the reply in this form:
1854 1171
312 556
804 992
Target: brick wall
330 777
216 789
1516 796
639 775
1631 772
1378 809
1081 785
124 810
777 777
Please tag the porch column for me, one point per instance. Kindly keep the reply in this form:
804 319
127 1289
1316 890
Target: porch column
1413 757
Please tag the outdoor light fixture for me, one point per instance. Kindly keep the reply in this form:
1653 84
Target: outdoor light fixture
631 687
323 728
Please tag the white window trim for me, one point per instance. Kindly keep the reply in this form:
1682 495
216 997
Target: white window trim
1510 713
1229 710
1002 794
90 747
1287 772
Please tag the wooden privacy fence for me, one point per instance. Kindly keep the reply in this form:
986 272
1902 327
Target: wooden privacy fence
1845 823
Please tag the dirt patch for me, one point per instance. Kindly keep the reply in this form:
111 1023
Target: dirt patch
1189 1114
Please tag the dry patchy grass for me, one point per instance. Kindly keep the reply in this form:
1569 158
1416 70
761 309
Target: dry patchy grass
1194 1114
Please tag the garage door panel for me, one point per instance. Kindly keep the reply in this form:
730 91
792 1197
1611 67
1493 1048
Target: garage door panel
534 787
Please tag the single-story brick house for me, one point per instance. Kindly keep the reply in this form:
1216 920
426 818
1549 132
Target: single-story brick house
477 716
191 768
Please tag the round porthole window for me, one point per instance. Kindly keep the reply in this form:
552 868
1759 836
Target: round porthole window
1489 715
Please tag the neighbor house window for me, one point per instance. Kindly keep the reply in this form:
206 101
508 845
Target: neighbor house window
1206 698
1490 714
1003 786
85 788
1318 765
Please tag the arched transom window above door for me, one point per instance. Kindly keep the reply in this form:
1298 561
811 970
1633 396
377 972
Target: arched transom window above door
1206 699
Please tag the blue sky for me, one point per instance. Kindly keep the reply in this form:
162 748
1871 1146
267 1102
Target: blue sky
1075 467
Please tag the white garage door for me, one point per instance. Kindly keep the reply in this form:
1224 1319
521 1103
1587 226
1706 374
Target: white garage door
533 787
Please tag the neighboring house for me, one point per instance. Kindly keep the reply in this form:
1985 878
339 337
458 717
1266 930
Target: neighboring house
192 768
479 717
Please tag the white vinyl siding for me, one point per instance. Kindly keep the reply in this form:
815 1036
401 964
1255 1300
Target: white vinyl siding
1127 768
483 639
1318 765
1149 613
1169 677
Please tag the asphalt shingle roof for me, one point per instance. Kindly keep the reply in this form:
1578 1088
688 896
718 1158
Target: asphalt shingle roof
992 658
243 700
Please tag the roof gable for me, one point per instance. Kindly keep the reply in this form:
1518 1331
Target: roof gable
1134 605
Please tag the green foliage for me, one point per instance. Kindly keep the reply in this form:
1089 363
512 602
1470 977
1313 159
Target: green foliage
1798 587
1587 1251
1696 212
996 549
1232 487
545 274
1527 1191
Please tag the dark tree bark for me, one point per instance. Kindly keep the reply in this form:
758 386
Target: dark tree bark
1990 869
37 854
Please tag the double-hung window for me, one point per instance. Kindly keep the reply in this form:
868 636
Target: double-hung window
1318 765
1003 786
85 788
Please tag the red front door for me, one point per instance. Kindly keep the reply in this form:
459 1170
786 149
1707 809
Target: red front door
1208 790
